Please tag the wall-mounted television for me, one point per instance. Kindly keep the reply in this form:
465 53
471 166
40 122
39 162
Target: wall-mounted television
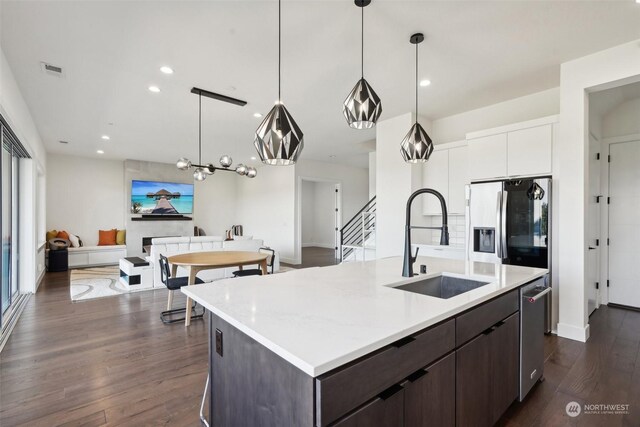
161 198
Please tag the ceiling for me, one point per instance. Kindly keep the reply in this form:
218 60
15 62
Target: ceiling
475 53
601 103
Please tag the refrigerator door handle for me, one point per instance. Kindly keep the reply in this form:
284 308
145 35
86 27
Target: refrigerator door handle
503 225
499 226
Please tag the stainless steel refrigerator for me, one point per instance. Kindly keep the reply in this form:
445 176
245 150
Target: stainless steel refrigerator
509 222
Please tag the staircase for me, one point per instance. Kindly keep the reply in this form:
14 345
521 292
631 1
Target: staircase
357 237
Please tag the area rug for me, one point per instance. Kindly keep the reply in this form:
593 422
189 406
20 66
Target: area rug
98 282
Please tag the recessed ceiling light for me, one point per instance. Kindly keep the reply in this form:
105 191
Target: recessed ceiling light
106 137
166 70
100 152
253 157
258 115
425 83
154 89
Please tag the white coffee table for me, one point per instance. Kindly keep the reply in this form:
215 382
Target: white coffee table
136 273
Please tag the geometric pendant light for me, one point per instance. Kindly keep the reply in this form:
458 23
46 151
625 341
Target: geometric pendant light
279 140
363 106
416 145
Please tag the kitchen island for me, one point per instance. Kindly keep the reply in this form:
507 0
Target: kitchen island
342 345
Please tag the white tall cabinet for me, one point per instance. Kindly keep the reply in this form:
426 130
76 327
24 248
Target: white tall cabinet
447 171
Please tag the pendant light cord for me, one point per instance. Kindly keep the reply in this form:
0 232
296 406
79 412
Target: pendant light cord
417 82
200 127
362 43
279 47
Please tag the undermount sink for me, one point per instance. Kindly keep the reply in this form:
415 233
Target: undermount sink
442 286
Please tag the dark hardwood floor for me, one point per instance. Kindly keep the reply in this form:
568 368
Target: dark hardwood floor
110 361
604 370
313 256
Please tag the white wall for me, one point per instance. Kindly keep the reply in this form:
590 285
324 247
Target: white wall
608 68
354 182
15 111
454 128
354 194
318 202
266 208
85 195
372 174
102 201
215 208
395 181
622 120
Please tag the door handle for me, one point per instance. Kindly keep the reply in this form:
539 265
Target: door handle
503 225
591 248
498 239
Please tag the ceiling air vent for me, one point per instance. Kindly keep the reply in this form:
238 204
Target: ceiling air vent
51 69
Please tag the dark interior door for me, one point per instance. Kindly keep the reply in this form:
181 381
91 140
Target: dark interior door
527 222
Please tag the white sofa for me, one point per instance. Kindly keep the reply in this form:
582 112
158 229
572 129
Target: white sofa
86 256
169 246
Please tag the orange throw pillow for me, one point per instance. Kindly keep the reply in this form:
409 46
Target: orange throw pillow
107 237
63 235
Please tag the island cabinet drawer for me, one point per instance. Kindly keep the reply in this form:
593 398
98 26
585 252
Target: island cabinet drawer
475 321
344 389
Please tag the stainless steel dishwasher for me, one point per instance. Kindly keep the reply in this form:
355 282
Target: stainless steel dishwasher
532 317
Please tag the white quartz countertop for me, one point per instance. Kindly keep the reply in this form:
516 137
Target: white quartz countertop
321 318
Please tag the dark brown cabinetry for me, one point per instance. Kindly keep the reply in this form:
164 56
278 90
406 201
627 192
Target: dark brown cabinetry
340 391
424 398
386 410
430 395
487 374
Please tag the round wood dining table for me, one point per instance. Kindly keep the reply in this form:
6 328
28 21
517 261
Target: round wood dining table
197 261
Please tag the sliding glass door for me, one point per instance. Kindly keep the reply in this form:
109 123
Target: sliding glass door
7 229
11 153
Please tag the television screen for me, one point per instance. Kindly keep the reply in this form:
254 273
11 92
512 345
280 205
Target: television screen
161 198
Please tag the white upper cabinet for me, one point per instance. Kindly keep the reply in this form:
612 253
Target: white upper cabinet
458 178
488 157
529 151
519 149
435 175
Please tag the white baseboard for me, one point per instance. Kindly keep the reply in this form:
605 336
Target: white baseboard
292 261
573 332
318 245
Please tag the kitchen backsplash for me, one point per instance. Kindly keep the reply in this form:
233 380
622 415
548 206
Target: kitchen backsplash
456 230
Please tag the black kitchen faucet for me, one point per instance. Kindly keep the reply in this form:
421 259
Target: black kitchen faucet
407 264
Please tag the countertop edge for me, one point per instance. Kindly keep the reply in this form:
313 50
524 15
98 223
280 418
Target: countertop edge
349 357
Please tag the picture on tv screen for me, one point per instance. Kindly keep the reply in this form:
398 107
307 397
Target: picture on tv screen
161 198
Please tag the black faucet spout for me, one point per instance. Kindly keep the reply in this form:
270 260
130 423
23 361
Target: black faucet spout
409 260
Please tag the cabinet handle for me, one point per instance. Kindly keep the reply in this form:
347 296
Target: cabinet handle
489 330
417 375
402 342
390 391
500 323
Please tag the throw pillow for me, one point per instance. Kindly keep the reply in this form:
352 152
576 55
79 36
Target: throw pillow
121 237
107 237
52 234
75 241
63 235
